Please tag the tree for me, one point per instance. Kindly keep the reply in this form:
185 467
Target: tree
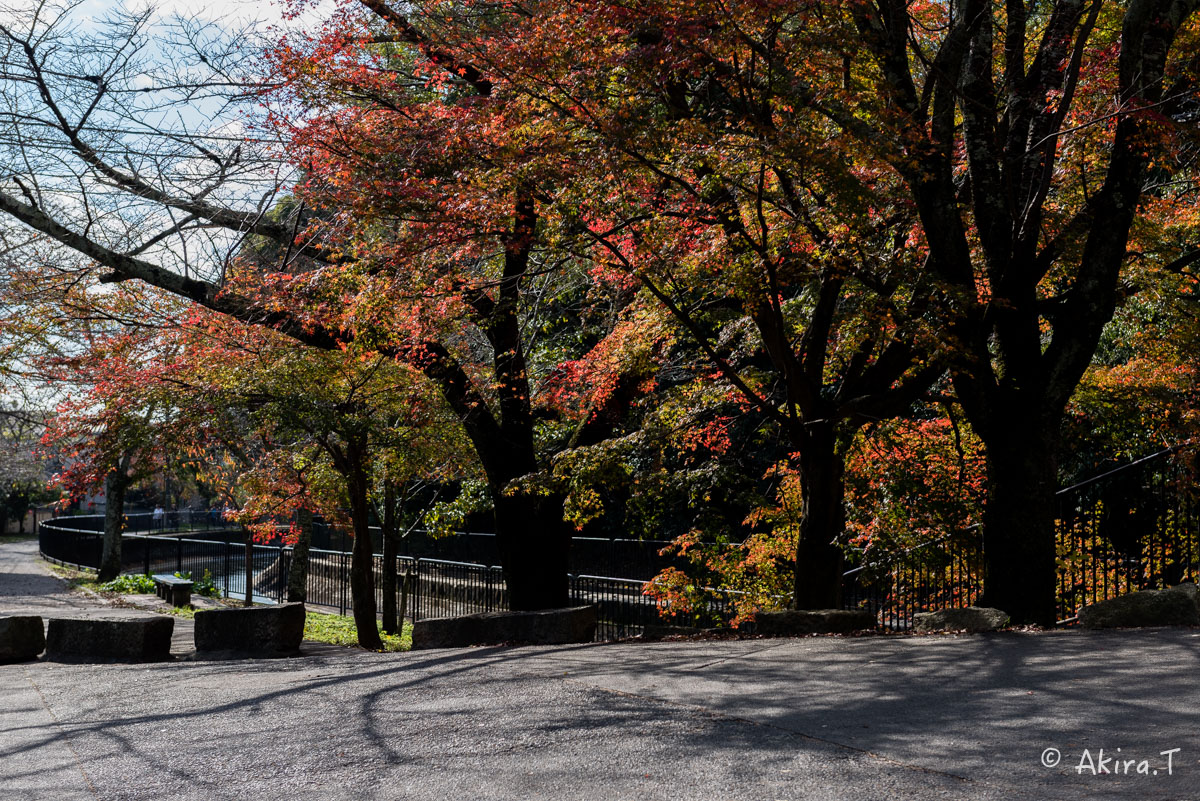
104 437
413 269
840 176
311 429
788 259
22 475
1139 394
996 126
1030 141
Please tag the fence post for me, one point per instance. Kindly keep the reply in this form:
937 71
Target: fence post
228 560
342 583
178 554
416 590
405 590
146 553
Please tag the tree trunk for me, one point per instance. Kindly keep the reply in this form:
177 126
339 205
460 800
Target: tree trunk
534 543
1020 567
115 484
388 578
819 560
362 557
297 589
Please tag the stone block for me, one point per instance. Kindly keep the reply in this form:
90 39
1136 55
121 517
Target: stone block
1171 607
139 639
22 637
970 618
545 627
1190 590
253 631
795 622
657 631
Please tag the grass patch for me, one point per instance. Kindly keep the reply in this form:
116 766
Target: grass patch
318 627
7 538
76 579
340 630
130 584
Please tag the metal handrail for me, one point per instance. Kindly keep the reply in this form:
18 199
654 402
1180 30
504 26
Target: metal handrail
1124 467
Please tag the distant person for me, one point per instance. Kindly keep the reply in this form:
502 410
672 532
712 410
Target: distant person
158 518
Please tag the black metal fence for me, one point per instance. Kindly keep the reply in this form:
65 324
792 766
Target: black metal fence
947 572
174 521
631 558
426 588
1135 527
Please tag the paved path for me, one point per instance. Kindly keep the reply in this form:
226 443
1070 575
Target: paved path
868 719
27 585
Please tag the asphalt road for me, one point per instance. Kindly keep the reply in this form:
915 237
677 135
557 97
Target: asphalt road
873 718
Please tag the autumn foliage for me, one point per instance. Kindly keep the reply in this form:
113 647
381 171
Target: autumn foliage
794 286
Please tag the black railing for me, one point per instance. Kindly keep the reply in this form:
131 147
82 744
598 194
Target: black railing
1131 528
631 558
426 588
946 572
175 521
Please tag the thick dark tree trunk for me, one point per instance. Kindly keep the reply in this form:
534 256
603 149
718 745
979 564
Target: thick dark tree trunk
533 542
297 589
1020 572
823 519
362 556
388 578
115 485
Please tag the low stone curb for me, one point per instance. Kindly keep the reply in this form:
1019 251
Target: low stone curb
798 622
547 627
138 639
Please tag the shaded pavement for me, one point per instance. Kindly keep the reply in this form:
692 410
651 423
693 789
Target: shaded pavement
817 718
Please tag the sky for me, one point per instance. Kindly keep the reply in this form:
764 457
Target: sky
232 15
231 11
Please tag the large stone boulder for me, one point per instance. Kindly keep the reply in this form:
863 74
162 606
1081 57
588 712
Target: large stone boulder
796 622
22 637
137 639
252 631
970 618
1171 607
1190 590
546 627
